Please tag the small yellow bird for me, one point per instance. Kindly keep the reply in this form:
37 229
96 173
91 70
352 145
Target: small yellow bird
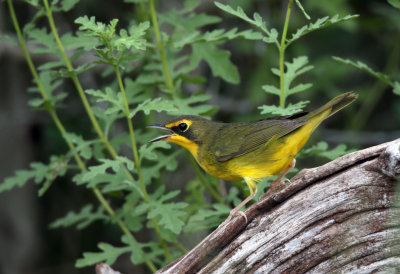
248 150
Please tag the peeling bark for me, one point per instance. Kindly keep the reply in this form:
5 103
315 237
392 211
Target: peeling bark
340 217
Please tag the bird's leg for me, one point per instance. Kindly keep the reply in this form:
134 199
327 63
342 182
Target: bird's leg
275 184
235 212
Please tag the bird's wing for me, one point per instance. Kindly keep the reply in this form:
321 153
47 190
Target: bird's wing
240 138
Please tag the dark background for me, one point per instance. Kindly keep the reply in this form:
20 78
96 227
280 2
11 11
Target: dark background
28 245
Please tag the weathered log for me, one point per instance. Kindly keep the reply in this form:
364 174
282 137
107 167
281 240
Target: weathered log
340 217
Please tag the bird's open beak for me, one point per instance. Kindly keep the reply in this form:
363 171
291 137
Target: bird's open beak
163 137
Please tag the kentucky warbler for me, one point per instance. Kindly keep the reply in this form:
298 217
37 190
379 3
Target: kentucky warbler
248 150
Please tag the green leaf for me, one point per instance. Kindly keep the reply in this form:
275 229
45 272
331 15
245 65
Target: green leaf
82 147
166 213
190 5
132 39
186 25
302 9
293 70
321 149
44 40
217 35
82 219
57 167
185 105
34 3
49 87
164 161
65 5
108 254
396 89
37 173
127 39
206 218
10 39
319 24
217 59
362 66
146 151
271 35
79 40
158 104
289 110
271 89
394 3
36 102
115 165
115 100
97 29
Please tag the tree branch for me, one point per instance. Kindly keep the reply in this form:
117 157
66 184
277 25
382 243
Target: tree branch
337 217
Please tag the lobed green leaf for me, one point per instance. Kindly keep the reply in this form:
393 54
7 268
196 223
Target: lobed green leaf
37 173
115 100
271 35
217 59
293 70
321 149
158 104
206 218
288 110
108 254
217 35
319 24
81 219
167 213
362 66
394 3
106 164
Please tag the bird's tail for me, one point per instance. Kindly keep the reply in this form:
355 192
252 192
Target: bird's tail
334 105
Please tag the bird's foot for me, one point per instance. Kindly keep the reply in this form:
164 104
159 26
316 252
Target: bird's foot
232 214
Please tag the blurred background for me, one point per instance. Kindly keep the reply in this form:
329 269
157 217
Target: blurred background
28 245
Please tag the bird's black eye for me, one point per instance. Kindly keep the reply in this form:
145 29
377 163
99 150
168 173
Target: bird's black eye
183 126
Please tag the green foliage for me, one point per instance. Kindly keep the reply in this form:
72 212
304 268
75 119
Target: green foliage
289 110
395 3
145 73
168 213
319 24
293 70
321 149
217 59
270 36
39 173
381 76
81 219
206 218
302 9
110 253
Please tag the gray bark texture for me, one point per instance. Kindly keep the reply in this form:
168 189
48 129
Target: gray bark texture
339 217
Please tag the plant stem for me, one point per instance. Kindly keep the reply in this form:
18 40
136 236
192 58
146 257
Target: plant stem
160 47
137 160
96 125
180 248
76 81
282 55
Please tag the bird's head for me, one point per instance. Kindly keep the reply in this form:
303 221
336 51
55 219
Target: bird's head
187 131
